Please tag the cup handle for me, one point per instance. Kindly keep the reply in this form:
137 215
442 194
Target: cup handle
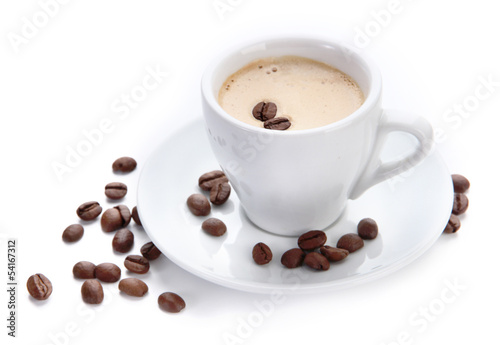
395 121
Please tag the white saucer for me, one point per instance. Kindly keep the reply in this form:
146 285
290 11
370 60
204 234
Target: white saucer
411 212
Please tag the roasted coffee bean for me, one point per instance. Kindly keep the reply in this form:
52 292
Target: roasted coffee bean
460 183
133 287
334 254
150 251
92 292
209 179
84 270
124 164
264 111
367 229
72 233
135 216
108 272
262 254
460 203
199 205
311 240
317 261
214 227
278 123
171 302
220 193
453 224
123 241
293 258
115 218
39 286
89 210
137 264
350 242
115 190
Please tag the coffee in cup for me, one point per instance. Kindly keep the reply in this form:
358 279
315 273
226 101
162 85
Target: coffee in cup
307 92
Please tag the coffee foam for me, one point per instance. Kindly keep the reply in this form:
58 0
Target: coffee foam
309 93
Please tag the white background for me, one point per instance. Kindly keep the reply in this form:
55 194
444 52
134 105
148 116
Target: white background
63 78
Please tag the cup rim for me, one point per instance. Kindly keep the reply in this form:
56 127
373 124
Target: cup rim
375 83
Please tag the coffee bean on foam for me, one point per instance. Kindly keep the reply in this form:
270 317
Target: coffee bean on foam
278 123
264 111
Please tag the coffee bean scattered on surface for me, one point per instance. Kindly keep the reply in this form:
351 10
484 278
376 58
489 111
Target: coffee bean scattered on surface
453 224
133 287
150 251
92 292
171 302
89 210
199 205
460 183
311 240
115 190
108 272
278 123
334 254
220 193
264 111
350 242
124 164
210 179
135 216
293 258
367 229
460 204
115 218
39 287
137 264
84 270
123 241
317 261
262 254
214 227
72 233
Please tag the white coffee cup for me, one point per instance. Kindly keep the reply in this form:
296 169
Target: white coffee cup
289 182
